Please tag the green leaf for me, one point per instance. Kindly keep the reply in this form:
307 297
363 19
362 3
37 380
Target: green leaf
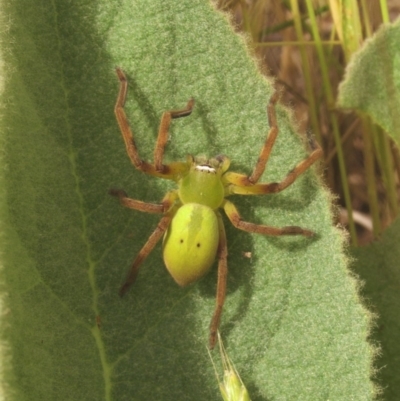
292 322
372 80
378 266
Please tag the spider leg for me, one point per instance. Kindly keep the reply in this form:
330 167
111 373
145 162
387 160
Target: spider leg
144 252
241 180
236 220
236 180
269 142
244 180
163 132
158 169
162 207
221 285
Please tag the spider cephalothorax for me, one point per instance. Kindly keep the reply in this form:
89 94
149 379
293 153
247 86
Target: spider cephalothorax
203 182
192 228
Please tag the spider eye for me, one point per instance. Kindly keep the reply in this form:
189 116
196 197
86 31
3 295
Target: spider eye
205 168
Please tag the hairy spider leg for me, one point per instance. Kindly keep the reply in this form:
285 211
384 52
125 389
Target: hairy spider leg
163 132
238 188
130 203
268 144
144 252
236 220
164 207
221 283
169 171
242 180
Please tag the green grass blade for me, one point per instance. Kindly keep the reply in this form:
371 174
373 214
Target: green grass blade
328 92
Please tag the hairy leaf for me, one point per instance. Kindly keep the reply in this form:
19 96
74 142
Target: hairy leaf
372 81
378 266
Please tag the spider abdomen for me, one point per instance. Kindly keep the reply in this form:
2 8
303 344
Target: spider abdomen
191 242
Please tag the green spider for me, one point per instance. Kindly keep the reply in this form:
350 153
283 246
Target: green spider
191 225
